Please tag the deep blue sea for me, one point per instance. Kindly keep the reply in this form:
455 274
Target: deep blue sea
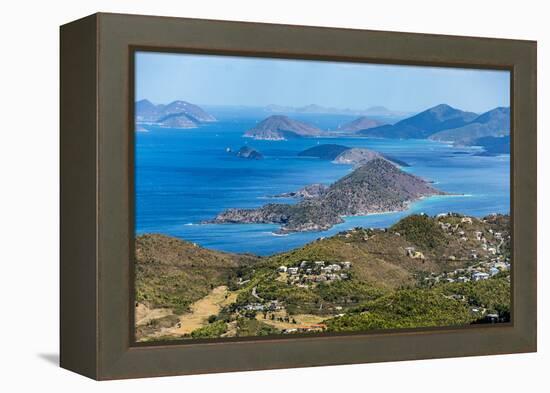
184 177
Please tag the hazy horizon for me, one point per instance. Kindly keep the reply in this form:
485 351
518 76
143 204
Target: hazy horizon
214 80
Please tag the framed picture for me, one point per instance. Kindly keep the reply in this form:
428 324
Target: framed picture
241 196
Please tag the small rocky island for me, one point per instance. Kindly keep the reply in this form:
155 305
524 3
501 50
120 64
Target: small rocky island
376 187
280 128
249 153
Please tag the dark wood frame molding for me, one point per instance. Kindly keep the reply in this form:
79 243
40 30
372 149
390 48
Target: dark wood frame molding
97 194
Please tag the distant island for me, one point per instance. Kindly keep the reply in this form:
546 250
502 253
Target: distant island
424 124
278 128
340 154
495 123
447 124
375 187
249 153
379 111
177 114
361 123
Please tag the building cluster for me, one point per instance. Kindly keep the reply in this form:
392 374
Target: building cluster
478 272
272 305
309 272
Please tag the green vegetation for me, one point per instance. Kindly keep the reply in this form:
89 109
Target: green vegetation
417 273
407 308
421 230
252 327
212 330
493 294
348 291
172 273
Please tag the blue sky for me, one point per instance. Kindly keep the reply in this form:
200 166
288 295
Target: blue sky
225 80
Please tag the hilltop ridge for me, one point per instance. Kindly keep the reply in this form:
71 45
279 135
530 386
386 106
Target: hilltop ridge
423 124
278 127
177 114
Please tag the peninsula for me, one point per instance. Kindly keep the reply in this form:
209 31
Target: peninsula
376 187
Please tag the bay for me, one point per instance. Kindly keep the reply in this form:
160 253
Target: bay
184 177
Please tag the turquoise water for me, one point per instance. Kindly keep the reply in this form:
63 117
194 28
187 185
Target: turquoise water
184 177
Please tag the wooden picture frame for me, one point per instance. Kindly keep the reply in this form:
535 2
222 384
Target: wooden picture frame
97 195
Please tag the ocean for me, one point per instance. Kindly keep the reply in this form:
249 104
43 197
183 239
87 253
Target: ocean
184 177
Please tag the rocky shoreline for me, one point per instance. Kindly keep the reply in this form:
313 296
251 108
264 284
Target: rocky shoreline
376 187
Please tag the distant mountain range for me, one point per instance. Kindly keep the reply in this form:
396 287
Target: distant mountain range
177 114
313 108
440 123
278 127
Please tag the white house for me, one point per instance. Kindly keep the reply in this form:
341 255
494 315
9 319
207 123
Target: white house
478 276
292 270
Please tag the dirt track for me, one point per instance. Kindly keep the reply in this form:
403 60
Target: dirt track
202 309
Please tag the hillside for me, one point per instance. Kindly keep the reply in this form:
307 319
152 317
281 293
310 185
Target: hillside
177 114
361 123
307 192
420 272
346 155
177 120
162 262
357 156
376 187
424 124
494 123
280 128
